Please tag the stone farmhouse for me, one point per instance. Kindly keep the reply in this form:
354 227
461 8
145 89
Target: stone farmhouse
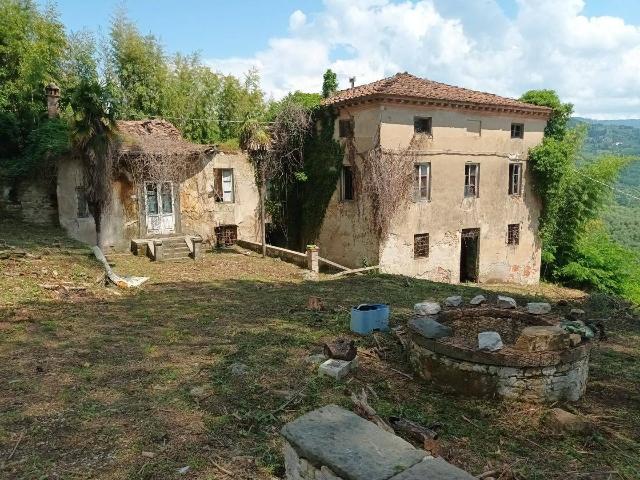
473 215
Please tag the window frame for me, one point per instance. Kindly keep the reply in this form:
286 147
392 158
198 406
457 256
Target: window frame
467 178
343 185
515 127
219 183
513 234
419 248
81 201
417 182
346 127
515 188
428 131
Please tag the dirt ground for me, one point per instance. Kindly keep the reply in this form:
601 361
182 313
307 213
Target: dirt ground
103 383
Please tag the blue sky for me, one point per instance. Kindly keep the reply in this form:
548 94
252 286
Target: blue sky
588 50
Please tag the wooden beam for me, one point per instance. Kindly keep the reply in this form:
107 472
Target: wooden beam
355 270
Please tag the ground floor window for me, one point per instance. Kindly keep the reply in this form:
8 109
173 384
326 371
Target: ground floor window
513 234
83 205
421 245
226 235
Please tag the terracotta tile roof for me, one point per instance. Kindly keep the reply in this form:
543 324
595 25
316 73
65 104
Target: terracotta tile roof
407 86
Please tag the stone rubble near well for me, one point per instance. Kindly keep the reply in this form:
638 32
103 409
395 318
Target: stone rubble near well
331 443
503 351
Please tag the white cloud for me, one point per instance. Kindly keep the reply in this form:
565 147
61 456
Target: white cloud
593 62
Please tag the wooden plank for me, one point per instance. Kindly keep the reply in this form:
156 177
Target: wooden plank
355 270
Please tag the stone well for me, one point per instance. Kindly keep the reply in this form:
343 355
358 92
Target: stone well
537 363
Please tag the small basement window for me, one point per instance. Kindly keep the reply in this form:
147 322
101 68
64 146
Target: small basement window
515 178
223 185
513 234
83 205
471 179
346 128
517 130
421 245
422 125
346 184
226 235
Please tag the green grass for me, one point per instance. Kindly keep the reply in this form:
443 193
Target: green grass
92 379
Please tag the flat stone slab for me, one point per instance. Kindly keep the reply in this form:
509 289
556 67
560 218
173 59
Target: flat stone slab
506 302
433 469
353 448
542 339
538 308
427 308
478 300
429 328
454 301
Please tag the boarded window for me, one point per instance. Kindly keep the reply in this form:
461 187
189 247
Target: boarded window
83 205
422 183
474 127
421 245
515 178
347 183
223 185
513 234
517 130
422 125
345 128
471 179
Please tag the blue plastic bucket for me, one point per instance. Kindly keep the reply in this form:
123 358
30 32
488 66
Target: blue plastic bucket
369 317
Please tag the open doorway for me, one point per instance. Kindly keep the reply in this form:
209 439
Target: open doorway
469 255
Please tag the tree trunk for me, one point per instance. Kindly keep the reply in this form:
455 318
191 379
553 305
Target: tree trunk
263 222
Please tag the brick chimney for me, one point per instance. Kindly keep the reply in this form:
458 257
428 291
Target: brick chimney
53 96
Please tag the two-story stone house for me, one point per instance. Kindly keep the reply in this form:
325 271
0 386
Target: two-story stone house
473 215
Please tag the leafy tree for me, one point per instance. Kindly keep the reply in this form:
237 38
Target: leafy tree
94 132
557 124
329 83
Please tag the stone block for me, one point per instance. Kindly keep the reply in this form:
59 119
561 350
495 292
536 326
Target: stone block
490 341
575 339
348 446
506 302
538 308
576 314
560 421
433 469
337 369
478 300
426 308
454 301
542 339
429 328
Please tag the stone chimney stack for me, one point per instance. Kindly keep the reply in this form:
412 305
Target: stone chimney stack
53 97
352 81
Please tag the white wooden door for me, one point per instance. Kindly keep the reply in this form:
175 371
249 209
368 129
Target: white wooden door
159 206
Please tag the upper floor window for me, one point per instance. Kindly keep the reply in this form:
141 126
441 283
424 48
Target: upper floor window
513 234
346 184
471 179
517 130
421 245
223 185
345 128
83 205
422 181
515 178
422 125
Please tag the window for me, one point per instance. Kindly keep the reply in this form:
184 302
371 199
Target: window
471 179
513 234
166 197
474 127
152 199
422 125
422 181
346 128
515 178
223 185
347 183
517 130
421 245
83 205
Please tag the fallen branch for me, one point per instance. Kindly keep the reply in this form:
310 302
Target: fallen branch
122 282
365 410
354 270
413 430
15 447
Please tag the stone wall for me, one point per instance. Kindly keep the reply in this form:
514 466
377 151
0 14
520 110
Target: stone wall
334 444
32 201
550 383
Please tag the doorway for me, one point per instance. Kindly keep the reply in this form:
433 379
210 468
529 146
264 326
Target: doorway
159 208
469 255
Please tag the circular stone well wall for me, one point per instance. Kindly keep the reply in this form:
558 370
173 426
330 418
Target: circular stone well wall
456 362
